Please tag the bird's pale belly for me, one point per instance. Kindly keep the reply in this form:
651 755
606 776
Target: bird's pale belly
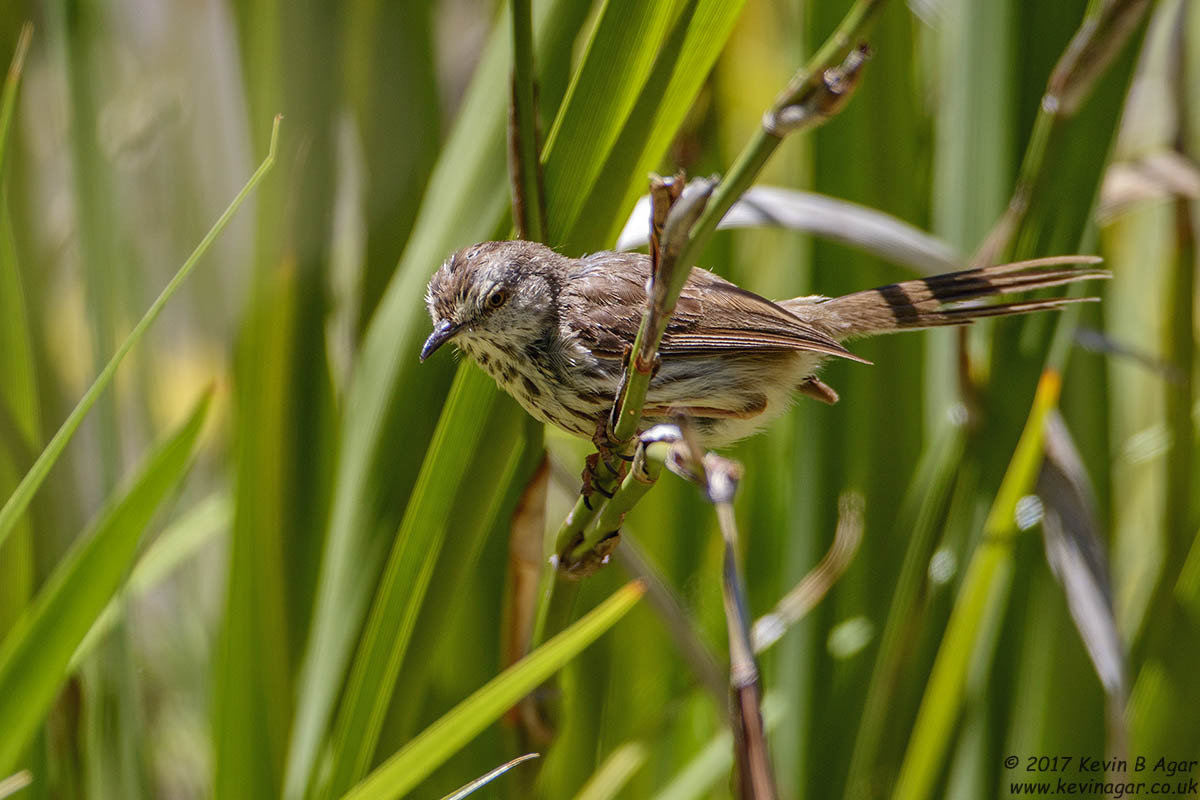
740 402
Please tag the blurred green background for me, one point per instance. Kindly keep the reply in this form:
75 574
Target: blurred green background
332 574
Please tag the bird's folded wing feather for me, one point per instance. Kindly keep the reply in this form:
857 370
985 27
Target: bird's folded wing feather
712 316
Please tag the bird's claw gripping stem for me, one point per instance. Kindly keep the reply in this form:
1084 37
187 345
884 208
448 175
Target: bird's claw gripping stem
590 561
609 453
596 482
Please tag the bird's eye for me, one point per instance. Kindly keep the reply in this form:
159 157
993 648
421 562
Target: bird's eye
497 298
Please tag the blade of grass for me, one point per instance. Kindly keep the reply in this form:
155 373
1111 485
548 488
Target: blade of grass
101 266
391 72
19 500
113 728
1075 552
35 655
972 163
918 519
196 528
987 576
20 423
474 519
613 775
669 607
405 579
861 448
15 783
252 675
1155 242
682 64
618 59
412 763
283 435
484 780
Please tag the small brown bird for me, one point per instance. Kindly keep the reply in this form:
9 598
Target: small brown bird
553 331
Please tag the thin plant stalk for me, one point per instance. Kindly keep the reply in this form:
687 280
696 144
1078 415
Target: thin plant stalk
1093 47
529 206
12 84
484 780
16 504
806 594
814 95
756 778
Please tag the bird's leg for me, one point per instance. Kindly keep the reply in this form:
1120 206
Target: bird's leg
608 451
591 480
604 469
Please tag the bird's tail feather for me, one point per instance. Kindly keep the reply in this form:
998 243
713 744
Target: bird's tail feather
931 302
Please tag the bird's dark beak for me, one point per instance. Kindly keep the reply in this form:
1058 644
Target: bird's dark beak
442 332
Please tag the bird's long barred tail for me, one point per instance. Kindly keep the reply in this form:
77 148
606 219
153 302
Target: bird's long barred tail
931 302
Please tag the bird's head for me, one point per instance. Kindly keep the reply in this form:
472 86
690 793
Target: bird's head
504 292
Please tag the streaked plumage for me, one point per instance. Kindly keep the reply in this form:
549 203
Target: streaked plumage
553 331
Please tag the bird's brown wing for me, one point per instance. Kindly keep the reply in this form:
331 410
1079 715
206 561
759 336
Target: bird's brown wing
712 316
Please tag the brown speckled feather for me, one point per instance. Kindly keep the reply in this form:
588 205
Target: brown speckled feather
553 331
713 316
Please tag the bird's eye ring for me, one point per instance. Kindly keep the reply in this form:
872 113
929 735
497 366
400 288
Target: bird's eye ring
497 298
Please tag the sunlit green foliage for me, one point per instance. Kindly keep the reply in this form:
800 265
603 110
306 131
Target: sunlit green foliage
330 576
